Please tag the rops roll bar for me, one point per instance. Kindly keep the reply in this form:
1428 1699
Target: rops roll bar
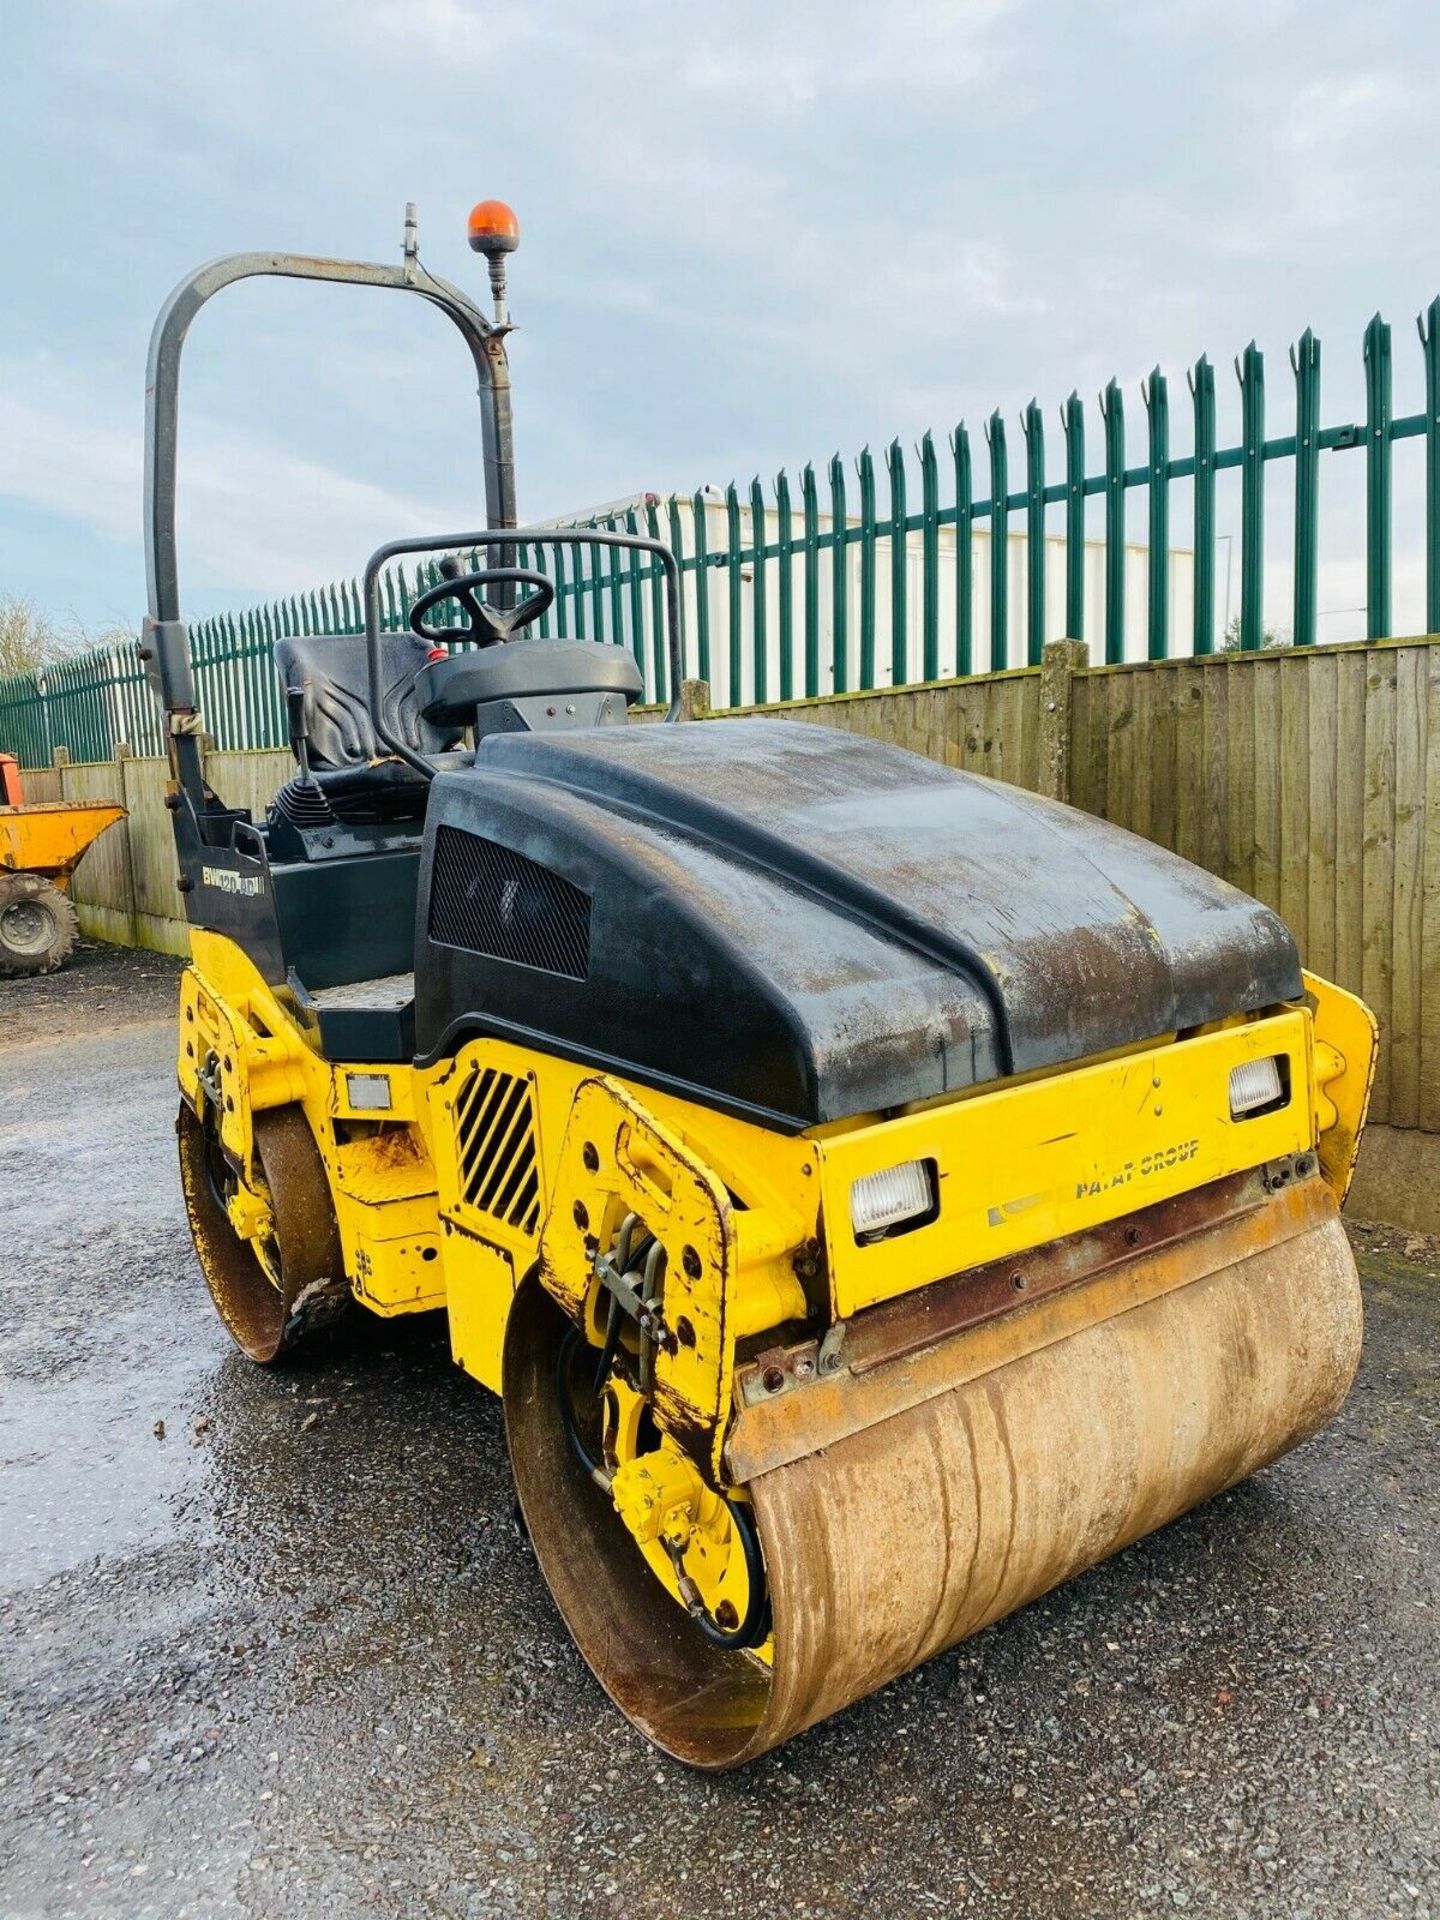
510 537
165 648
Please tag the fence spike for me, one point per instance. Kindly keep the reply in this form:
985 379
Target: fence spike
1072 421
1428 324
1032 423
1201 380
1305 365
760 639
839 578
865 467
1155 392
1250 371
964 550
702 585
637 607
657 603
929 558
1378 474
785 582
899 566
1112 412
999 543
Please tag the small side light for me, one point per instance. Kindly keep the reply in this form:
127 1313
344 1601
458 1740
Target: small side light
880 1202
367 1092
1256 1085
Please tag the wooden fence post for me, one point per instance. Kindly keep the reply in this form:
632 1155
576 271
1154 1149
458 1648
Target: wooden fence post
694 699
124 754
1059 663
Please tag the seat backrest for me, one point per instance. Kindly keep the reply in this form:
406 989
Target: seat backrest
331 667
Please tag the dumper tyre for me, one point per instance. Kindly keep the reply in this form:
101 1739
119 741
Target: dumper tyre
38 927
289 1303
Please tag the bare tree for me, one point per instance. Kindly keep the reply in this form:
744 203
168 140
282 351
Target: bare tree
30 639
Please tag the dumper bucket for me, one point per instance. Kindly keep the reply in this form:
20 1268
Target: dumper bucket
50 838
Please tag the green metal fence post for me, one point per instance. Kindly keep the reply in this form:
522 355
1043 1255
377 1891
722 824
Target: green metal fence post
562 589
810 508
839 579
615 568
929 558
677 546
759 622
597 584
1156 394
1202 394
1112 412
1305 363
1032 424
732 576
999 544
658 646
785 561
1378 468
899 567
702 588
865 466
1072 419
1250 371
637 598
964 551
1429 325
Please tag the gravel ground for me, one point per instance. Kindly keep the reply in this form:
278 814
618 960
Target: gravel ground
290 1657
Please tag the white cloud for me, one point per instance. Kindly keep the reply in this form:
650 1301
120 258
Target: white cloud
253 516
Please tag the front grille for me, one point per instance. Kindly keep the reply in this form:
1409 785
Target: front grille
495 1147
492 900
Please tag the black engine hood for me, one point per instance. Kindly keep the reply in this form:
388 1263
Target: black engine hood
801 923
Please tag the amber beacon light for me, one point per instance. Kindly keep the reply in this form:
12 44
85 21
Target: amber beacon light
494 231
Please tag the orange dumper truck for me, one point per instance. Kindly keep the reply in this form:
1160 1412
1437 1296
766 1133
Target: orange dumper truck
40 848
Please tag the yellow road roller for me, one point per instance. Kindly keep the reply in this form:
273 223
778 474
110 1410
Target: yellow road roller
876 1193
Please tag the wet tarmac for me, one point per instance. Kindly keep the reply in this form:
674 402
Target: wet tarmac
272 1645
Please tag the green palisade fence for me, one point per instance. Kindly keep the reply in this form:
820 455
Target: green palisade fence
867 581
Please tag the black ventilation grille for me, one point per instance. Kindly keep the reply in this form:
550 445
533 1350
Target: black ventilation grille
495 1147
493 900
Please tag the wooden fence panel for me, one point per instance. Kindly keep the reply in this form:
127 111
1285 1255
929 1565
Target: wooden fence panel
1429 1104
103 879
42 783
1311 778
987 724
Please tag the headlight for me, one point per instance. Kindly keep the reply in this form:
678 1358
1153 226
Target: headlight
880 1201
1255 1084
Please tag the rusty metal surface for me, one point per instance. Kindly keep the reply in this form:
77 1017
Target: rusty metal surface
915 1321
1129 1401
873 1383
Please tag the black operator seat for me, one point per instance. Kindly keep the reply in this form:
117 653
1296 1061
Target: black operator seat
359 779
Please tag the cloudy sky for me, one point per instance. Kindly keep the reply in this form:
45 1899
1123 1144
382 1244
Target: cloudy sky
753 233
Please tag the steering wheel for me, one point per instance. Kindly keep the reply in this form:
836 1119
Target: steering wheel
487 626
